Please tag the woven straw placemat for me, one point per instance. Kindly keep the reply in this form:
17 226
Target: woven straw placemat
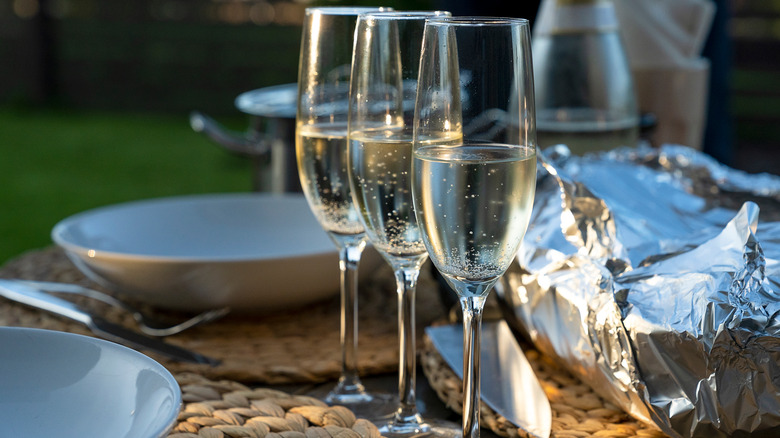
301 346
230 409
293 346
217 409
577 411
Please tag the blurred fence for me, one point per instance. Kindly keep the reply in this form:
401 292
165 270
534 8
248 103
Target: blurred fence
159 55
180 55
755 31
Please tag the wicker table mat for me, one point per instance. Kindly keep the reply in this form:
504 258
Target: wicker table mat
298 345
301 345
230 409
577 411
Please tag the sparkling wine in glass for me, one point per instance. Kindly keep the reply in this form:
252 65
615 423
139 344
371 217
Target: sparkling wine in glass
321 150
384 82
473 199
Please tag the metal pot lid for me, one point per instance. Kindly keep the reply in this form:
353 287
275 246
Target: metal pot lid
277 101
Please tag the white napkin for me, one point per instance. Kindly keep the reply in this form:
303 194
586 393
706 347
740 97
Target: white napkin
663 41
664 32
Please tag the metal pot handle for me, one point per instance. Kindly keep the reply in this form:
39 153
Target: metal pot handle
242 143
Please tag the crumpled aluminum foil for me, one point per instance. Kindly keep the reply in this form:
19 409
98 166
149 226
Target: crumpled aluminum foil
649 275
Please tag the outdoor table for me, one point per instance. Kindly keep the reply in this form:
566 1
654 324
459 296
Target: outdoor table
296 350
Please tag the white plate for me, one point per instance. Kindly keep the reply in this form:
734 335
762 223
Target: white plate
248 251
68 386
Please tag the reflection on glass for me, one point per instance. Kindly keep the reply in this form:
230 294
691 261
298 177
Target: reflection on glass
321 150
473 199
383 86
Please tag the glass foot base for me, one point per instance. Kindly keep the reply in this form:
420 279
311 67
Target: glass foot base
424 429
372 406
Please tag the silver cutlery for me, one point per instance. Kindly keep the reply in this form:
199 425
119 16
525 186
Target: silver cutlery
145 323
25 294
509 385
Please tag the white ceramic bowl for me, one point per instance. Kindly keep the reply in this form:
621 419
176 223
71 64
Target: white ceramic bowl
68 386
249 251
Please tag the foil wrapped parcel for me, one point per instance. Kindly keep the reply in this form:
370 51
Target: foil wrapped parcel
648 274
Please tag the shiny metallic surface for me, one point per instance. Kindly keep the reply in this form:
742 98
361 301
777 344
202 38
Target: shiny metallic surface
270 139
509 385
30 296
654 276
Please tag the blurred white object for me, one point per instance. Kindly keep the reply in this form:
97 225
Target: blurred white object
663 41
251 252
72 386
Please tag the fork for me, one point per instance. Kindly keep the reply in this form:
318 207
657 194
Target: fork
146 323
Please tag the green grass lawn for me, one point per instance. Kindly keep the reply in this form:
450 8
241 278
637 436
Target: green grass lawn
57 163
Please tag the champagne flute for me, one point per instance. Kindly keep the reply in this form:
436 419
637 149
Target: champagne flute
321 149
473 200
384 82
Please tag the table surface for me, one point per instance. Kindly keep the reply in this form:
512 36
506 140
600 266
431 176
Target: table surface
298 351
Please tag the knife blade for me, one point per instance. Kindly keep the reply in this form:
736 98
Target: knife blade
509 385
32 297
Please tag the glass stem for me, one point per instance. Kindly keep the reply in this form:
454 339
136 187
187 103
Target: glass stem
472 323
407 416
349 259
